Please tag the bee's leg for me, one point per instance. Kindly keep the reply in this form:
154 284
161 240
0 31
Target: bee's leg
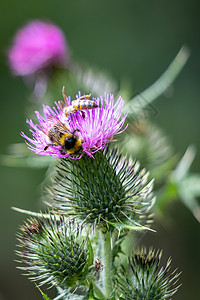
83 114
86 97
75 131
62 151
47 146
64 95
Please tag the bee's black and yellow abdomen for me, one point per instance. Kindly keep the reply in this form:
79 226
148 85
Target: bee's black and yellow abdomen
83 104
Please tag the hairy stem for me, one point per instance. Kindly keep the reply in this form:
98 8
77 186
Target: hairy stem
107 263
161 84
98 292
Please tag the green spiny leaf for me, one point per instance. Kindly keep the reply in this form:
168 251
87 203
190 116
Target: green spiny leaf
131 225
45 297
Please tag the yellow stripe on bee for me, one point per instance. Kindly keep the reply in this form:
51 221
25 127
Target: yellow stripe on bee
63 137
76 104
76 147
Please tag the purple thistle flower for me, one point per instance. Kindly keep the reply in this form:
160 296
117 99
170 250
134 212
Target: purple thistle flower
94 127
37 46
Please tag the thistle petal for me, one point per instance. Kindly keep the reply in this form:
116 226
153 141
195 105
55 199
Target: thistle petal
95 128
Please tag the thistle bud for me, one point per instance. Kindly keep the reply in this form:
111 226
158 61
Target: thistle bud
52 251
144 279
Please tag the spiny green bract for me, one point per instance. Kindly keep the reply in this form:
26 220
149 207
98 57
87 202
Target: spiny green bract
52 251
144 280
106 188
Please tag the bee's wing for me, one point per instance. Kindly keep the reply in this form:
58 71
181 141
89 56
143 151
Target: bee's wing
63 128
52 119
60 126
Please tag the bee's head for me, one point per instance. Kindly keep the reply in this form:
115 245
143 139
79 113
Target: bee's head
72 144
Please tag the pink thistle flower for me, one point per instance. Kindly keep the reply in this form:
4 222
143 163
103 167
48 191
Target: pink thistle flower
36 46
95 128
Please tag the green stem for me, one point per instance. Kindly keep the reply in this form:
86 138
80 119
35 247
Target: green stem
98 292
107 263
160 85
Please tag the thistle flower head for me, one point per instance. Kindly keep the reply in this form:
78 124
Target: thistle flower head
52 251
36 46
144 279
93 128
103 190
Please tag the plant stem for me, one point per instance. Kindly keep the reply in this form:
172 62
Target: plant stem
107 263
98 292
161 84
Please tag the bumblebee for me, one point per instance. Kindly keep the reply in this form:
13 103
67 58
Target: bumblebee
82 103
59 134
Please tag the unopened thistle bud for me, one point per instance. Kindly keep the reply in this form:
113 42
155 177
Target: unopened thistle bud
52 251
144 279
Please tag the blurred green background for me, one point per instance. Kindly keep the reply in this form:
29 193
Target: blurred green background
131 40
